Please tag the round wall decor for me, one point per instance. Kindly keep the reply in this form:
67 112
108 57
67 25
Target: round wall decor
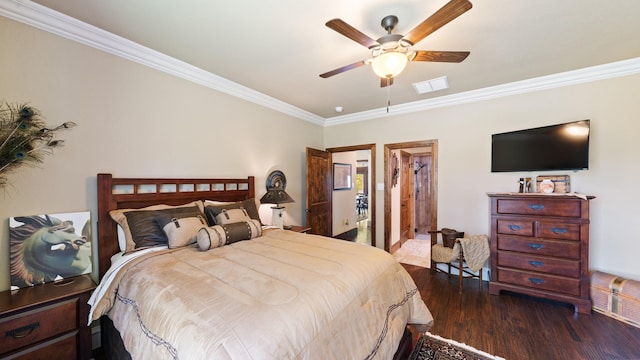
276 180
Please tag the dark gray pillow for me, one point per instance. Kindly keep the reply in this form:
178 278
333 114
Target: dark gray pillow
146 226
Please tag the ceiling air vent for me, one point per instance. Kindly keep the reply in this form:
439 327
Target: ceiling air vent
436 84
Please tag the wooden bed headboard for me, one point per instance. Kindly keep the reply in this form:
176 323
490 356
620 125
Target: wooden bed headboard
126 193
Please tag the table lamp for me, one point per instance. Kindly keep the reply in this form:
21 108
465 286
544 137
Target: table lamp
276 183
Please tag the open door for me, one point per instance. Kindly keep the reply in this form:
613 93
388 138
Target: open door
319 192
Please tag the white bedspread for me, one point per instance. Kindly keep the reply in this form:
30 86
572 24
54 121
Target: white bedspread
280 296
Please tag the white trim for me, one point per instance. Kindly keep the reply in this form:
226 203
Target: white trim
41 17
594 73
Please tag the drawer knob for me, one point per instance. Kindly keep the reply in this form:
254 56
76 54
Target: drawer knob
536 281
536 207
536 263
559 230
515 227
536 246
24 331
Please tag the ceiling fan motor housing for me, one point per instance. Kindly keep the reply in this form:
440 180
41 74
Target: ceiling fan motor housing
389 22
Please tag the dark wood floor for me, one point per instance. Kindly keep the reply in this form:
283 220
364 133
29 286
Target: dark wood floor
517 327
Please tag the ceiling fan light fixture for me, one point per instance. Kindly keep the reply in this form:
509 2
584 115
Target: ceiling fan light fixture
389 64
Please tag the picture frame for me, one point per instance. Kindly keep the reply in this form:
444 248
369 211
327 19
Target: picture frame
342 176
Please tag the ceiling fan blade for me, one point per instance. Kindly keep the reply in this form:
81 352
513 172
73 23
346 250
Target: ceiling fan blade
384 82
342 69
450 11
351 32
441 56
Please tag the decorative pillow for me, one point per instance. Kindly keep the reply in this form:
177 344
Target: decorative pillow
181 232
218 235
232 216
124 220
211 209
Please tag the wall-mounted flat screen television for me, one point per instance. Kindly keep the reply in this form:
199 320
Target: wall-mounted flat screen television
555 147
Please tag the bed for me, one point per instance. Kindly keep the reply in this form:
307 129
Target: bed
271 294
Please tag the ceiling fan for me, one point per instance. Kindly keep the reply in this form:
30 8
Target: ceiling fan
391 52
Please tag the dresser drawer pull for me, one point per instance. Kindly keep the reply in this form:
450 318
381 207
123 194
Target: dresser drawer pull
536 207
559 230
515 227
24 331
536 263
536 281
536 246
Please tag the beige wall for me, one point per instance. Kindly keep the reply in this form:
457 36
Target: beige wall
134 122
464 149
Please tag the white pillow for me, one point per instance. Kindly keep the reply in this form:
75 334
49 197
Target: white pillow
122 239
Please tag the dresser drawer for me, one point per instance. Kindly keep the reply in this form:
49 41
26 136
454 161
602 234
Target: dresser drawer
554 230
570 268
540 281
539 207
515 227
27 328
555 248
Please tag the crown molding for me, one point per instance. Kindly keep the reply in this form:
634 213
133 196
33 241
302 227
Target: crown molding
589 74
43 18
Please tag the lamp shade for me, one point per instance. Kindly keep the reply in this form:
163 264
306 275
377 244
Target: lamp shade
276 196
389 64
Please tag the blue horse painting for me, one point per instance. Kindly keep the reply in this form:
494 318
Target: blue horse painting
45 248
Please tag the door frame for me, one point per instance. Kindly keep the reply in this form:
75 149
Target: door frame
433 144
372 192
406 188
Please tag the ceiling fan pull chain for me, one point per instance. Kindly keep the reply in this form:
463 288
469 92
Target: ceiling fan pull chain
388 94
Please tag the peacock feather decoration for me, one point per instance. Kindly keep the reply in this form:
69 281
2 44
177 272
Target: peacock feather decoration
24 138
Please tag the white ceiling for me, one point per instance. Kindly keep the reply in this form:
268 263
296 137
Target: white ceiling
279 48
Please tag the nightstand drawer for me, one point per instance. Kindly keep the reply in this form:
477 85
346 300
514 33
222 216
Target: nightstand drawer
63 347
29 327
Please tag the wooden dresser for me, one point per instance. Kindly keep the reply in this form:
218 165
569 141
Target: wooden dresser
540 247
47 321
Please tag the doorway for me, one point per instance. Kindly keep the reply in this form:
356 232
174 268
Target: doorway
317 215
419 186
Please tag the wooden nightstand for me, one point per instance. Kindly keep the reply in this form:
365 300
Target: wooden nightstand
300 229
47 321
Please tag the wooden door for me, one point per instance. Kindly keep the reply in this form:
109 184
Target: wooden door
406 200
319 192
422 183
